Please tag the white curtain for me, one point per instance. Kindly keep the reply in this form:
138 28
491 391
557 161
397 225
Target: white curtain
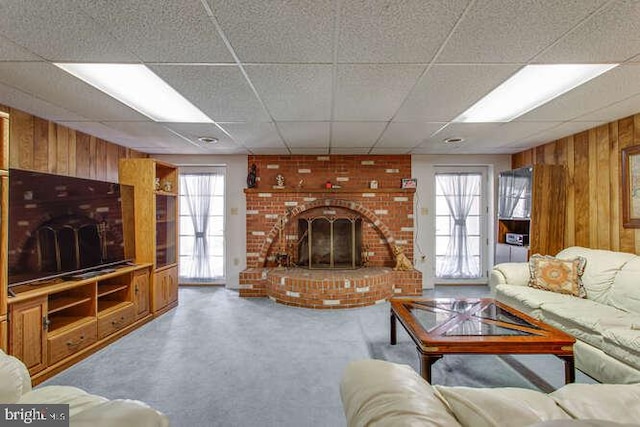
512 188
197 189
458 190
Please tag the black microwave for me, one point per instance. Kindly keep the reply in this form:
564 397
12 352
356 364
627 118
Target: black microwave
516 239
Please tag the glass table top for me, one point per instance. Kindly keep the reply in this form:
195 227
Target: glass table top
468 318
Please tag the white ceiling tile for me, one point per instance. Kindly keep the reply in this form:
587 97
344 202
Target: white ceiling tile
407 134
294 92
504 133
350 150
395 31
221 92
149 134
554 133
278 30
48 82
255 135
192 131
502 31
270 151
25 102
58 30
10 51
612 35
611 87
102 131
305 134
387 150
614 111
355 134
445 91
309 151
161 30
373 92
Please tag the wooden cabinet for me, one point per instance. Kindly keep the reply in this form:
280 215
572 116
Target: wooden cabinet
28 335
154 226
531 203
4 210
141 294
165 293
54 325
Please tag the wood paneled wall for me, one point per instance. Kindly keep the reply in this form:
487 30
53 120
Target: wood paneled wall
594 183
42 145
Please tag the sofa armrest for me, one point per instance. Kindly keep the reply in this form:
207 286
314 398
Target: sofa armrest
512 273
120 413
14 379
376 393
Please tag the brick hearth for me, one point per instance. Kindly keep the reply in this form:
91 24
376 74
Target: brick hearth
272 226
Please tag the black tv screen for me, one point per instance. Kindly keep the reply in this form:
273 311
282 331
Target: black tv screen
62 225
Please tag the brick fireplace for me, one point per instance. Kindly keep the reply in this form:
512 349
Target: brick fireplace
313 246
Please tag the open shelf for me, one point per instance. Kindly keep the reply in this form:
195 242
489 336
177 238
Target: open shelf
107 289
57 304
105 306
60 324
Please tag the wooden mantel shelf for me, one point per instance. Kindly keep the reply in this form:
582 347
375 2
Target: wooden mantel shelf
329 190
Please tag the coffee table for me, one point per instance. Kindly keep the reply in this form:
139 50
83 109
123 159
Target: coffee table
476 325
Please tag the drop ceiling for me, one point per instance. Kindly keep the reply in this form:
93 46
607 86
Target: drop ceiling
321 76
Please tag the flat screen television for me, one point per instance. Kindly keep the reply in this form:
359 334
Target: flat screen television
63 226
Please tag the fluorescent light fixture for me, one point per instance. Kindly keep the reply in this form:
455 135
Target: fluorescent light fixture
138 87
529 88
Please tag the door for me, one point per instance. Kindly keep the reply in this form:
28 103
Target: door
461 225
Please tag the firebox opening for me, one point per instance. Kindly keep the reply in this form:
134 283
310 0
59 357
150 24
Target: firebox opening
330 243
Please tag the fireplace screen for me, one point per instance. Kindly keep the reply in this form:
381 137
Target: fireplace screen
330 242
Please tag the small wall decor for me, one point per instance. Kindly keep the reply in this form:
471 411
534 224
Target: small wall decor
279 181
631 187
252 176
373 184
409 183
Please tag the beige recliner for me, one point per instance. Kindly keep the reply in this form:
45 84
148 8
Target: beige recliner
84 409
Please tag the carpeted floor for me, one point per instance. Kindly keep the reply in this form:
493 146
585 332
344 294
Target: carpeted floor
221 360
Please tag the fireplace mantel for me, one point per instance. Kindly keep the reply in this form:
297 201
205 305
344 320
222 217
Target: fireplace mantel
330 190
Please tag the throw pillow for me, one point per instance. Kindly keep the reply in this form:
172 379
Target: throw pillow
558 275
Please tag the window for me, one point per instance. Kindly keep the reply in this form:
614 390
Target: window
202 225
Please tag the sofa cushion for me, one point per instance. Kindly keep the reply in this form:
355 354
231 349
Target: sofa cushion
600 271
582 318
14 379
558 275
614 402
623 343
376 393
77 399
528 300
497 407
624 293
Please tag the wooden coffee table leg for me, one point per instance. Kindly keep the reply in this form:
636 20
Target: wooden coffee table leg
392 331
569 369
426 360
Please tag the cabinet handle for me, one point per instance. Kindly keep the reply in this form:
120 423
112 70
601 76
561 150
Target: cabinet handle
71 344
117 323
45 323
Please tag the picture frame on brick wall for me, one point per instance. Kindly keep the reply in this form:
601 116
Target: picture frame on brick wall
409 183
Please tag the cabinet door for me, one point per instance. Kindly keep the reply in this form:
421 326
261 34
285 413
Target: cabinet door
141 293
28 336
172 284
3 336
503 253
160 298
519 254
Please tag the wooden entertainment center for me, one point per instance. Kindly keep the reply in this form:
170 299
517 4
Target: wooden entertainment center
52 325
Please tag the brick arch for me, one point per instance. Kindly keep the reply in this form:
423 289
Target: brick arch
347 204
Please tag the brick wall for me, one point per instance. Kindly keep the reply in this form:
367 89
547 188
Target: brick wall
387 212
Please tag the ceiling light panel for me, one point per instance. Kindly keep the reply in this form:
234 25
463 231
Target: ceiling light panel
529 88
139 88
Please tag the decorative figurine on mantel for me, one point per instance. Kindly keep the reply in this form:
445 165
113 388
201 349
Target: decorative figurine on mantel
252 177
279 181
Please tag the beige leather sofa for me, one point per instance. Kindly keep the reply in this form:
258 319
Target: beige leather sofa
606 324
376 393
85 410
